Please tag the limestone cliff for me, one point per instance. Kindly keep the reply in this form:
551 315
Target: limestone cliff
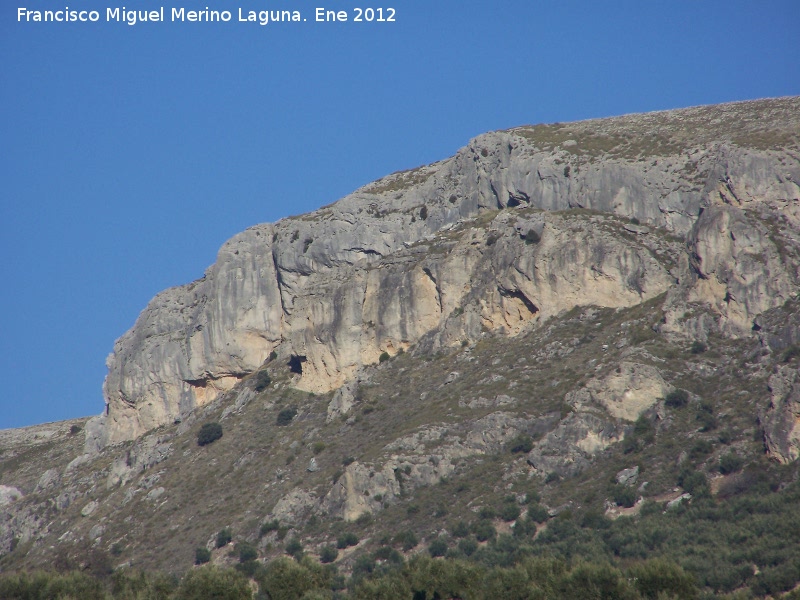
422 257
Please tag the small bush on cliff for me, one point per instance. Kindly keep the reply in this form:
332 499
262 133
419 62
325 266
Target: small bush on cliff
262 381
384 357
294 549
209 433
437 547
624 496
247 552
698 347
202 556
791 353
677 398
509 512
730 463
328 554
224 537
346 540
522 443
406 539
484 530
269 526
286 415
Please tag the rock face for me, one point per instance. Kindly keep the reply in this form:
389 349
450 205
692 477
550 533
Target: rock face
417 257
626 392
781 420
9 494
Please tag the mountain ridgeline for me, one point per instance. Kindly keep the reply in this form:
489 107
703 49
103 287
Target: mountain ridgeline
567 341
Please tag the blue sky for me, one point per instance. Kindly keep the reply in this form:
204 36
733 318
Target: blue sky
130 154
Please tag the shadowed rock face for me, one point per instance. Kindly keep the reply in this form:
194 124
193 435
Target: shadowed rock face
420 258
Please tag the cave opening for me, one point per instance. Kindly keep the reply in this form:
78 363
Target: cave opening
296 363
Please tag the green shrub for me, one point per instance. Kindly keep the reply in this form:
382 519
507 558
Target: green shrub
587 580
346 540
364 565
509 512
262 381
268 527
384 357
595 519
698 347
423 213
538 513
224 537
700 449
437 547
285 579
460 530
388 554
407 540
317 447
247 552
484 530
532 496
552 477
659 578
209 433
285 416
202 556
624 496
730 463
294 548
364 519
328 554
50 586
468 546
677 398
214 582
694 482
521 444
708 422
487 512
791 353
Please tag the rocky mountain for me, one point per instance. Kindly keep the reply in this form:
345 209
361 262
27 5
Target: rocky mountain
553 307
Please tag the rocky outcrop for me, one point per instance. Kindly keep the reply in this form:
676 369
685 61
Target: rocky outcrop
570 447
417 258
781 419
9 494
625 393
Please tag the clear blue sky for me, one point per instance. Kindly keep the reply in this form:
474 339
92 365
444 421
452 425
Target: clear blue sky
130 154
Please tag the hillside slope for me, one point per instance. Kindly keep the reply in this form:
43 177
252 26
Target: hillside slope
559 326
